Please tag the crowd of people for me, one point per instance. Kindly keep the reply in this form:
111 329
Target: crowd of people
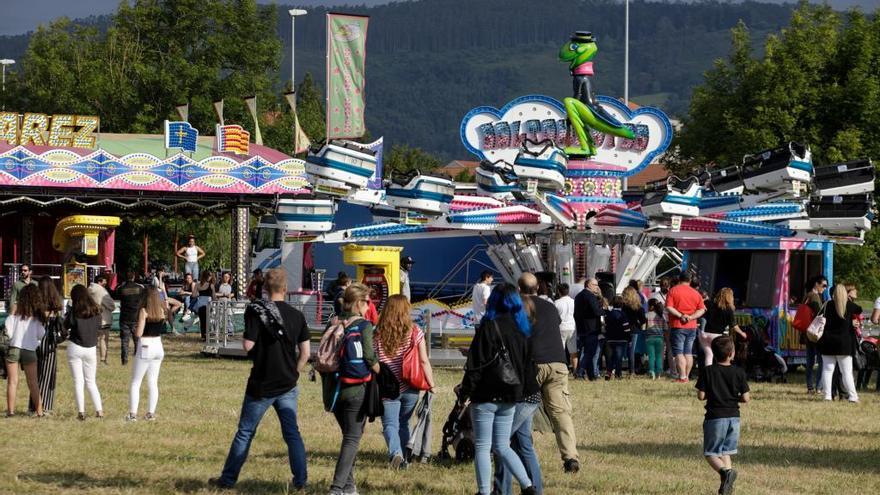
530 340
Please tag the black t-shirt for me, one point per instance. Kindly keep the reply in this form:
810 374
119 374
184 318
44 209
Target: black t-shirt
724 385
274 370
718 320
131 297
546 339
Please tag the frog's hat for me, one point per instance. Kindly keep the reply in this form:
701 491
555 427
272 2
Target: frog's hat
583 37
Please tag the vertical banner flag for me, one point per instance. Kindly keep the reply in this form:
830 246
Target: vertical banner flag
183 111
301 142
251 102
218 109
233 139
181 135
378 146
346 56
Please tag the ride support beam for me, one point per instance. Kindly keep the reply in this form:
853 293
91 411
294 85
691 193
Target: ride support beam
240 248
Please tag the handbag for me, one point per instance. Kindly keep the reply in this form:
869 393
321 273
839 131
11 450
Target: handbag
500 367
389 387
803 317
817 326
413 373
860 359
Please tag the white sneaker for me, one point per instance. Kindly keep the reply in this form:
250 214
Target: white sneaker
186 317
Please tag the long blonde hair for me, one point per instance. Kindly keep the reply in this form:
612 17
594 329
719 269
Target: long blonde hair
153 305
724 299
838 295
394 324
631 298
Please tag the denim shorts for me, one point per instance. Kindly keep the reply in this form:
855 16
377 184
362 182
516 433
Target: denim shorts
720 436
682 340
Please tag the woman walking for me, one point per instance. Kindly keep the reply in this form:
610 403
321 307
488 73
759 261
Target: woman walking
838 341
350 397
395 336
83 322
24 327
654 332
148 355
635 312
500 339
47 360
719 321
204 293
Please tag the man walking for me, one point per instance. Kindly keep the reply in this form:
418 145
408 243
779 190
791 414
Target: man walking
276 339
99 294
406 264
21 283
550 359
131 296
588 314
685 306
480 295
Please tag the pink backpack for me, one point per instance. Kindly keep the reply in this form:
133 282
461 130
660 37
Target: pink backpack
327 360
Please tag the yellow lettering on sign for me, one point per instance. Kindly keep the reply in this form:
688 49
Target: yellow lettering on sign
33 126
61 131
9 127
85 137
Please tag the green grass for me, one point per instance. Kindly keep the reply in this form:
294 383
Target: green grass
635 436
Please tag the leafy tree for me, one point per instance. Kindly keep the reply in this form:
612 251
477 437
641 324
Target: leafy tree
403 159
464 176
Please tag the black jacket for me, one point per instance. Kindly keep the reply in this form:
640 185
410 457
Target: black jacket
546 339
587 313
839 337
478 384
131 298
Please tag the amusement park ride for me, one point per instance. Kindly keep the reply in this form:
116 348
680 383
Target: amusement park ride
550 196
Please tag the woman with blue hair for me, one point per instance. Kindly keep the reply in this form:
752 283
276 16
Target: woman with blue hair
494 389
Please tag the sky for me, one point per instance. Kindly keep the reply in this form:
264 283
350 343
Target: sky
21 16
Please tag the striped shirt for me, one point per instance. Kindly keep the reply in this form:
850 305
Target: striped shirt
395 362
656 324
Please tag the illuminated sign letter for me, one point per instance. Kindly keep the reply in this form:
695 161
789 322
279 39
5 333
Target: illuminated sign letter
32 128
9 127
487 136
61 131
85 136
502 134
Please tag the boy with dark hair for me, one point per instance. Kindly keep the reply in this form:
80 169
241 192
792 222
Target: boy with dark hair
723 387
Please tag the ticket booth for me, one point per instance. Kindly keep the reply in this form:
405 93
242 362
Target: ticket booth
378 267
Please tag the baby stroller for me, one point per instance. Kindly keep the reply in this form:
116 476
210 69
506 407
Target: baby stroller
763 363
458 432
870 346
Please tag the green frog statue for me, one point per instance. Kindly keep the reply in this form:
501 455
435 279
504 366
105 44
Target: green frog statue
583 111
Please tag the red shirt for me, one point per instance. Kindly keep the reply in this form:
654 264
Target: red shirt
686 301
372 315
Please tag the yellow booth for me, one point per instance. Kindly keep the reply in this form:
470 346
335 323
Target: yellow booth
378 267
79 234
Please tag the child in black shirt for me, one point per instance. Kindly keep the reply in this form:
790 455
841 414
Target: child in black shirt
723 387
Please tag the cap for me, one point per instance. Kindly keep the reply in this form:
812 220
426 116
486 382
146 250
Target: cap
406 260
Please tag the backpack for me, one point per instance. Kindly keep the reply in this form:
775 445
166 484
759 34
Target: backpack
327 360
353 368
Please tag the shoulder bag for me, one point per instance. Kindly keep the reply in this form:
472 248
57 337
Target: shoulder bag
413 373
499 367
817 326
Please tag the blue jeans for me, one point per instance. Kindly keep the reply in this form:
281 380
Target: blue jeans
492 422
395 421
813 358
637 337
617 351
682 340
589 354
192 267
252 411
720 437
521 443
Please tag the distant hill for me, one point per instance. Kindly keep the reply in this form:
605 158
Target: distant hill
430 61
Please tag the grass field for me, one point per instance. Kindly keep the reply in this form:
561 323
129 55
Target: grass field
634 436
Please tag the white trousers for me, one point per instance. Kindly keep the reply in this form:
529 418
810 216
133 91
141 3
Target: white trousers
83 363
706 339
147 361
846 375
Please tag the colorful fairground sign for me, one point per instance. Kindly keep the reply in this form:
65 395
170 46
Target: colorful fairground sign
39 129
493 134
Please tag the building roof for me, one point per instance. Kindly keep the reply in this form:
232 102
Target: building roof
455 167
651 173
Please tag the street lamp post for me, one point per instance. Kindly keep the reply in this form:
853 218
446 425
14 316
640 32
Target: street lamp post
4 62
294 13
626 57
